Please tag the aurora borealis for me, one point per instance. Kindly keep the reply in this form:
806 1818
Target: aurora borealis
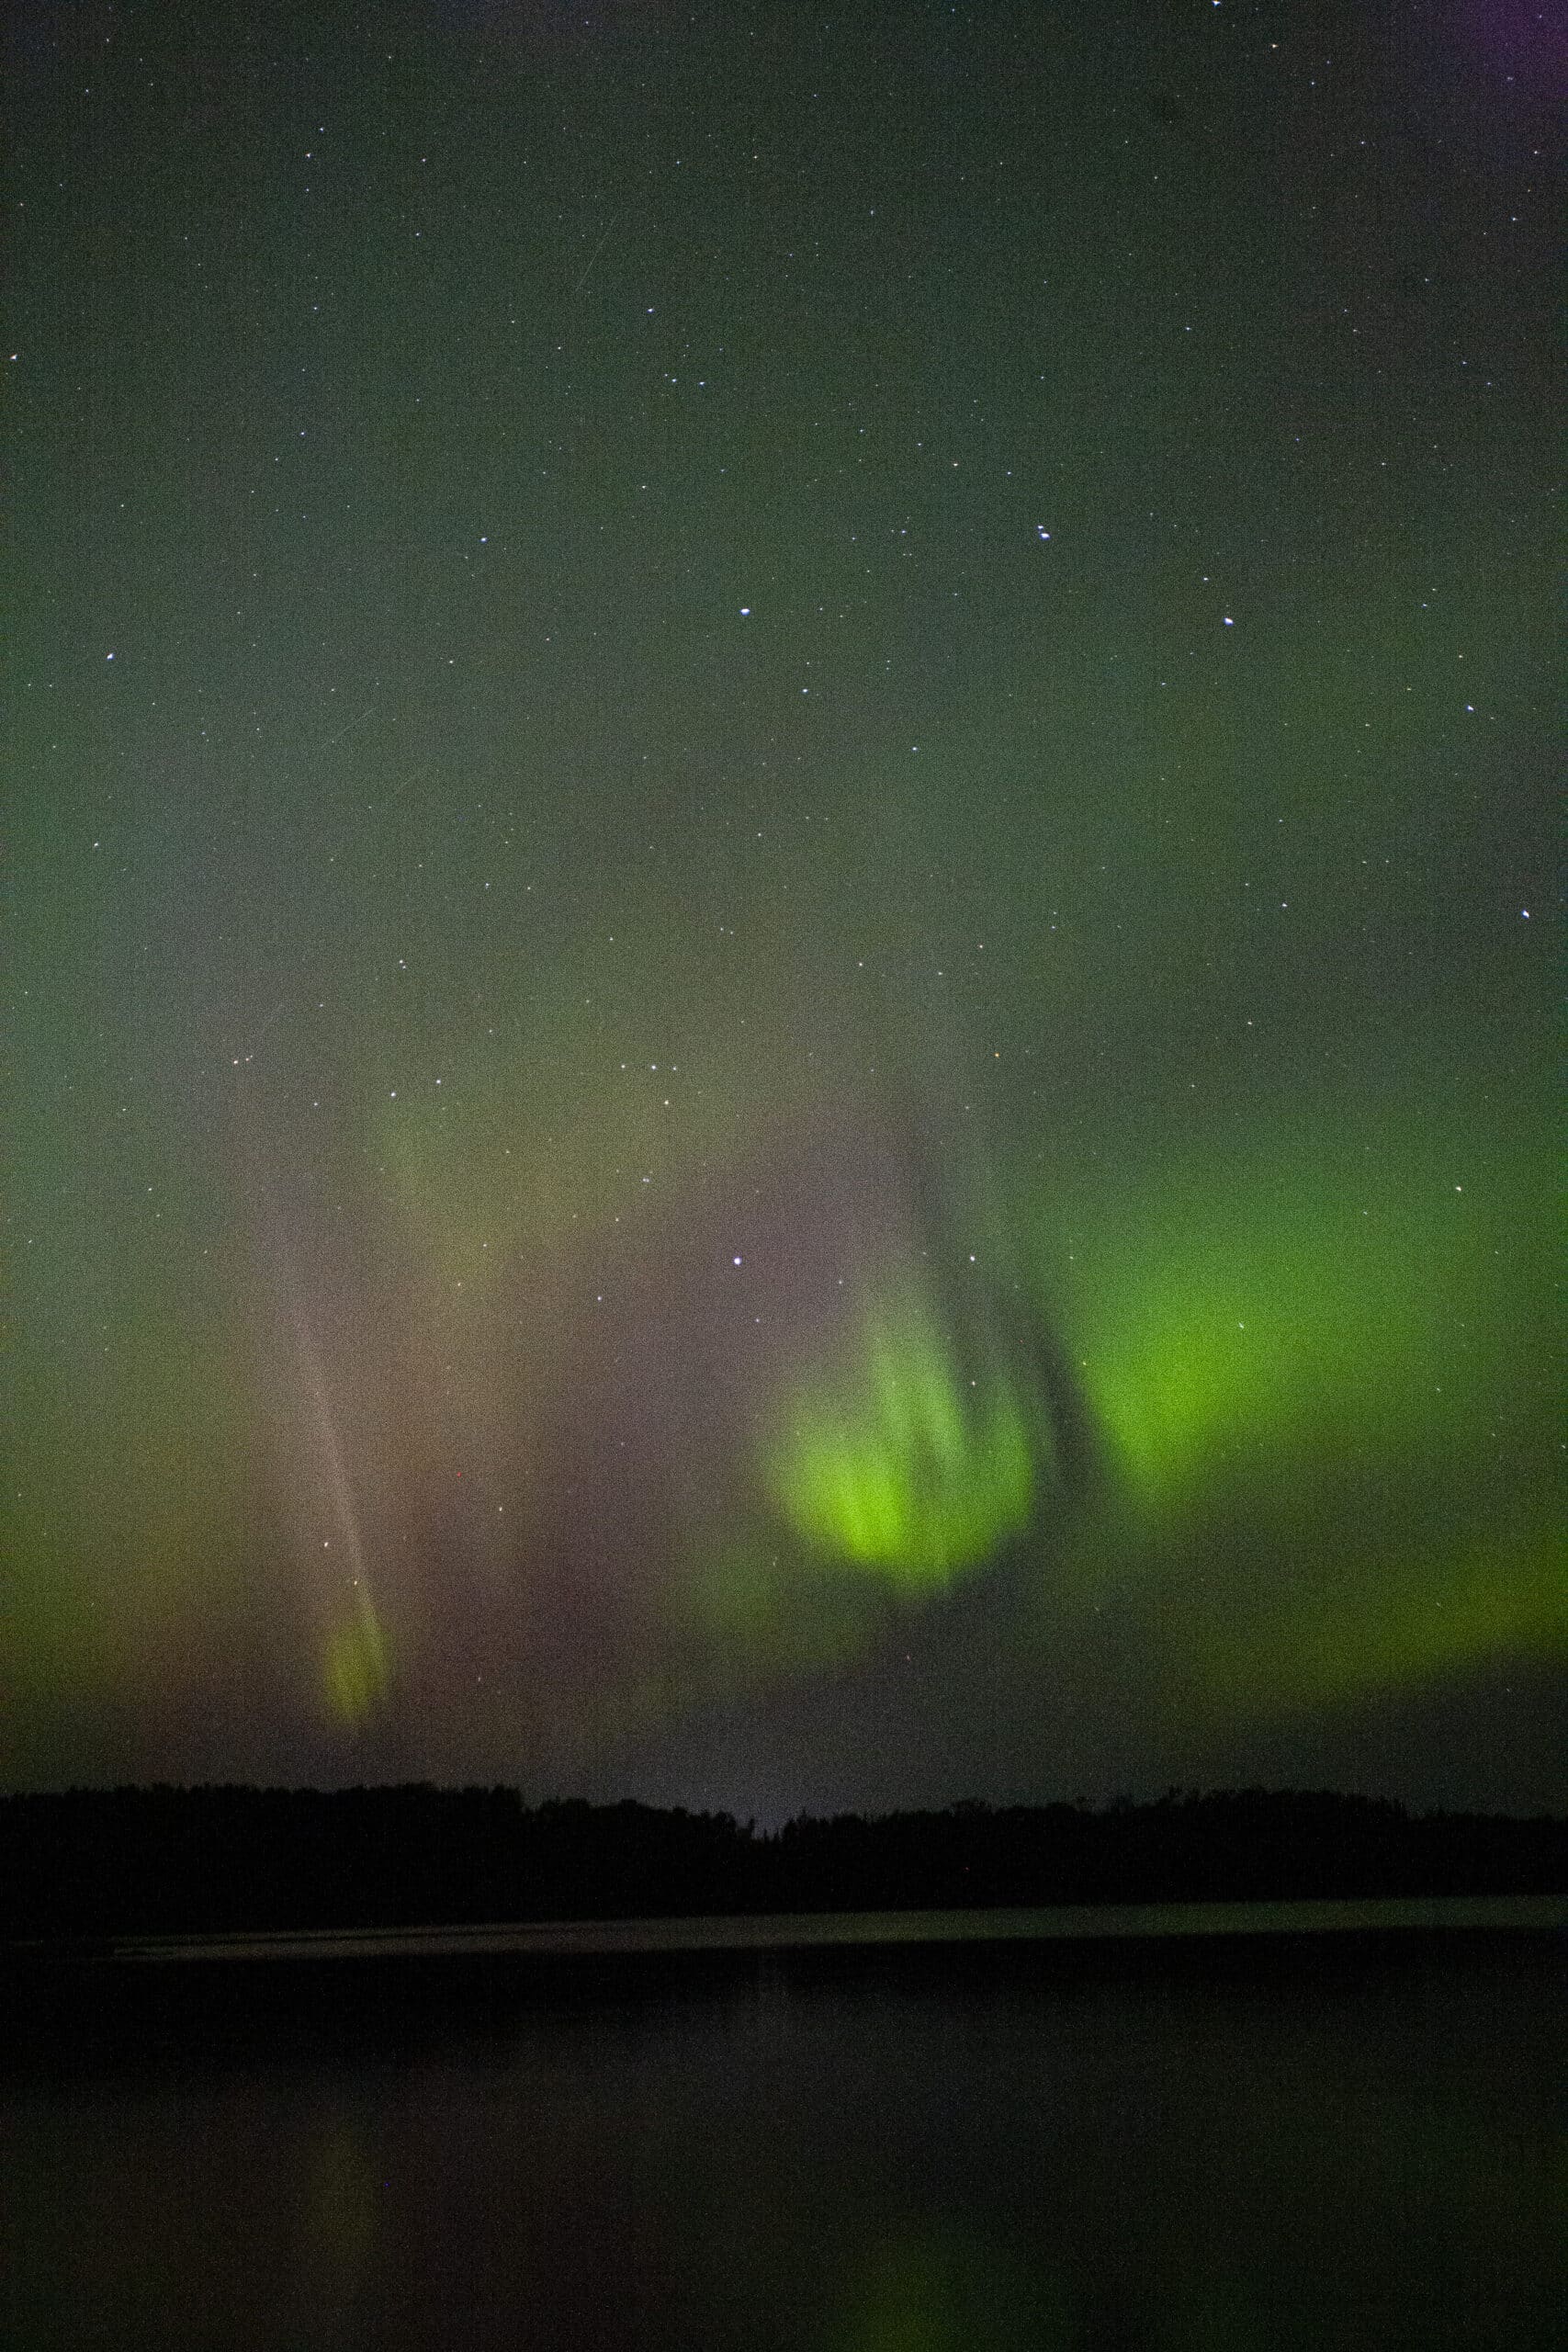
781 960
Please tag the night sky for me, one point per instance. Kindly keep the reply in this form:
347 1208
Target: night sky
781 971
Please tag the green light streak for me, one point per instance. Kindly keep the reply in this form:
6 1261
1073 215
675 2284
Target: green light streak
354 1663
896 1463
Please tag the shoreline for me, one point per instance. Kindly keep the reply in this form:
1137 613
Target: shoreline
745 1932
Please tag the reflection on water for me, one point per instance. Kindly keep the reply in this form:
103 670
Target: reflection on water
870 2164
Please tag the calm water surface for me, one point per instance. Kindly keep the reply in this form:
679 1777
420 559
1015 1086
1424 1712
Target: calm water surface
894 2152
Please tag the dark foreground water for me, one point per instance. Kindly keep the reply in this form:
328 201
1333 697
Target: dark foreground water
1272 2141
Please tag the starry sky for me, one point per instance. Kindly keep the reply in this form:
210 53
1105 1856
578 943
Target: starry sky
780 915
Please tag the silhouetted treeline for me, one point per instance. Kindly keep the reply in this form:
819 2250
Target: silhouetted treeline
169 1860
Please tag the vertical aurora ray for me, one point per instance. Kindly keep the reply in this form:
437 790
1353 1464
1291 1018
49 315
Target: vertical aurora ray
353 1647
317 1498
899 1461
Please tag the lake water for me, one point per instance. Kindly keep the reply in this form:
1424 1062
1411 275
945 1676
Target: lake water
928 2145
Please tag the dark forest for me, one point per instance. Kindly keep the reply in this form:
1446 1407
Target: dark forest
171 1860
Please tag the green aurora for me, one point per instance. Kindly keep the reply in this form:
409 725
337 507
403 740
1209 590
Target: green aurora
780 984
